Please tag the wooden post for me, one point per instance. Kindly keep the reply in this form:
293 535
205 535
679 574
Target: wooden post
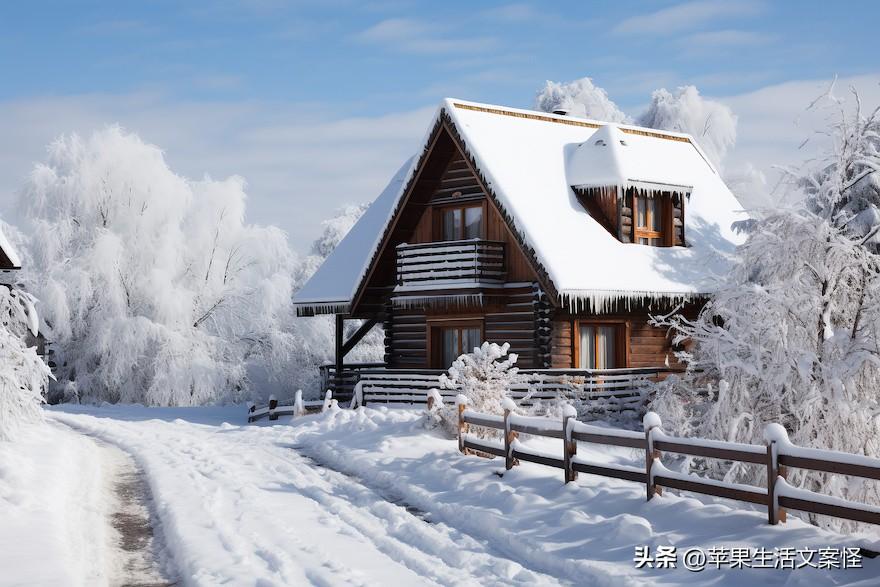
569 445
252 407
650 422
775 435
461 402
430 402
273 403
784 474
340 355
772 473
509 437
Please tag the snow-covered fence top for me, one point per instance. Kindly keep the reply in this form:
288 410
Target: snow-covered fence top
777 454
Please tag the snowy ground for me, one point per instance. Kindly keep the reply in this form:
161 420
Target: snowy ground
362 498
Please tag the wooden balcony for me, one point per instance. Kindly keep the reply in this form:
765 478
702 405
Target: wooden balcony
450 262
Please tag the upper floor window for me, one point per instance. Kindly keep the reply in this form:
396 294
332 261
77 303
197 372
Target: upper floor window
649 221
462 222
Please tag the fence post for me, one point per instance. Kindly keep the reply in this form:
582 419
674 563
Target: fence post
252 407
273 403
650 422
509 435
357 396
775 435
462 402
569 416
298 407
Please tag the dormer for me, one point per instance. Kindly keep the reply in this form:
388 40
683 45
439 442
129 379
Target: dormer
625 188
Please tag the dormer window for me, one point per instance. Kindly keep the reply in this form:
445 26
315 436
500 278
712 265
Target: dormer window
649 220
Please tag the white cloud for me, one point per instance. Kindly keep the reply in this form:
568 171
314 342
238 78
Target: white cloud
417 36
726 38
686 16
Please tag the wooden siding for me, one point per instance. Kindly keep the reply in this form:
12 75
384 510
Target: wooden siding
519 317
458 175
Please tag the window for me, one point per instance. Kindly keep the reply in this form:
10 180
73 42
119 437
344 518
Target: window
649 221
451 339
462 222
458 340
598 346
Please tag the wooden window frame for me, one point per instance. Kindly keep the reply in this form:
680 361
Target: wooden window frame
665 234
622 346
439 210
435 329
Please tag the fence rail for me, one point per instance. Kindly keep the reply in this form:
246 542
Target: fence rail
776 456
298 408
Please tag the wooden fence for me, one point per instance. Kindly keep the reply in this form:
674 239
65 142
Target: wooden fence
297 408
776 455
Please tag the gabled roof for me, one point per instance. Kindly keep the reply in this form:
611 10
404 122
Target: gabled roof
530 162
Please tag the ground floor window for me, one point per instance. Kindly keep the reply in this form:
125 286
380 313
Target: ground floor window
451 340
599 346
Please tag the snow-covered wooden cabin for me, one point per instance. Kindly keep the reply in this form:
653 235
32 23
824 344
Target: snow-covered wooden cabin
559 235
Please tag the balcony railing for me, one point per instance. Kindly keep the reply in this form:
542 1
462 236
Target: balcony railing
620 388
450 262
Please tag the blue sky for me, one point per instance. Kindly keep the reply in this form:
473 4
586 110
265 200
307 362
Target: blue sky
226 87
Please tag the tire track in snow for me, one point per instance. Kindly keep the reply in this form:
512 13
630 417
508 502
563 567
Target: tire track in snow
139 558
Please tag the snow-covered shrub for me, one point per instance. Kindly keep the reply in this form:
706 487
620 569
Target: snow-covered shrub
484 377
792 336
154 288
23 374
580 98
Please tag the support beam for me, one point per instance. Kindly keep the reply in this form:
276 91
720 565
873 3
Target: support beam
358 335
340 354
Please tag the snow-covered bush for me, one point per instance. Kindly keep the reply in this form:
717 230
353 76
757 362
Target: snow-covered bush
792 336
580 98
154 288
484 377
23 374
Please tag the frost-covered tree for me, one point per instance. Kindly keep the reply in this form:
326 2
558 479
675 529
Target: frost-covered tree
580 97
154 289
23 374
793 336
711 123
484 376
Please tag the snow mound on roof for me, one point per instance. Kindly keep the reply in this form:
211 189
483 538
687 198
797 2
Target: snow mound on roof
610 158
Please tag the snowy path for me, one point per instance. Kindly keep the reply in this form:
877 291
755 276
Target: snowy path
370 497
275 518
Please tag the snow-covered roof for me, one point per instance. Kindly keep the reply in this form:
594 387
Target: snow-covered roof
334 284
10 253
530 162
